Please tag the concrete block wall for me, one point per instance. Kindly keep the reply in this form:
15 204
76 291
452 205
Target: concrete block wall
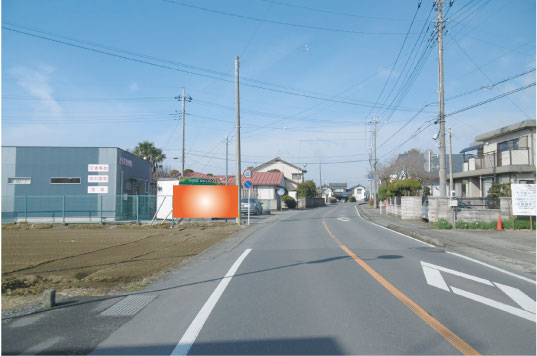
306 203
439 209
480 215
410 208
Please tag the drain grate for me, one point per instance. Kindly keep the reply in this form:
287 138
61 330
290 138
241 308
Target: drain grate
130 305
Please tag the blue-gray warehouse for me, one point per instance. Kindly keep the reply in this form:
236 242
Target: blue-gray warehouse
70 184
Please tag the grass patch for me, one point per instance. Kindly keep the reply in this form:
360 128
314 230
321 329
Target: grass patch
442 224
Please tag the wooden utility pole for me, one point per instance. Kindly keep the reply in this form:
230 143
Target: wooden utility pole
238 128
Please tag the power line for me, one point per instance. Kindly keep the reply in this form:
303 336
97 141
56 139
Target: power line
490 99
333 12
319 28
163 66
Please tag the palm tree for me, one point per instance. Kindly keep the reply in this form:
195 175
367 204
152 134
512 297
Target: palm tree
149 152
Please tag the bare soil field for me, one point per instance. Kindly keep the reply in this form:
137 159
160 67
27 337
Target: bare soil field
95 259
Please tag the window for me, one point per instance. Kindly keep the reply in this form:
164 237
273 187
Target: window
297 176
19 180
64 180
508 145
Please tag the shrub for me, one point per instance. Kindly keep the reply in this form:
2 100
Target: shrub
289 201
476 225
352 199
442 224
306 189
333 200
382 191
404 187
520 223
371 201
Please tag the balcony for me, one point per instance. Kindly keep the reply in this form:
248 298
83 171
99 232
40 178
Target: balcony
494 159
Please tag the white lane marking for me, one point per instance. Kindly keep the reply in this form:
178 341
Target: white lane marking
290 216
492 267
190 335
518 296
457 273
395 232
454 253
434 278
343 218
492 303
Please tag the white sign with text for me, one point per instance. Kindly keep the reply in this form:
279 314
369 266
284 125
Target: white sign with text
97 168
98 189
523 197
98 179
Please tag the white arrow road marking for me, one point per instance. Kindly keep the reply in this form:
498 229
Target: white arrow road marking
434 278
343 219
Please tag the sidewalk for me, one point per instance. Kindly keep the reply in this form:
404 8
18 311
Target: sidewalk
512 249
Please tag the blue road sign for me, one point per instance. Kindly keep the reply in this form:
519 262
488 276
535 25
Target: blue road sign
247 184
370 176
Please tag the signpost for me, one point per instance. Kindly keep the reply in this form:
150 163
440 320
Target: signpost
523 201
248 186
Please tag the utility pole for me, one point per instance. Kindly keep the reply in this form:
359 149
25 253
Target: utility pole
227 141
441 116
183 98
375 160
320 178
238 128
451 187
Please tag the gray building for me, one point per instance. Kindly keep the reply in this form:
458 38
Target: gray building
74 184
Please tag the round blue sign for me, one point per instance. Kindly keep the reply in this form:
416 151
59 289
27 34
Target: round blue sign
247 184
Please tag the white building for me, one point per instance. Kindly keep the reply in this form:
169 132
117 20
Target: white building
293 174
359 192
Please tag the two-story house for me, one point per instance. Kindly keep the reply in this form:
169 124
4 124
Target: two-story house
505 155
293 174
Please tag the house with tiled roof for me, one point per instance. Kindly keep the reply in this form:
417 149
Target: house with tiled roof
293 174
264 186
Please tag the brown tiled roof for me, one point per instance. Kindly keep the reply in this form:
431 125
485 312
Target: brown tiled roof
258 178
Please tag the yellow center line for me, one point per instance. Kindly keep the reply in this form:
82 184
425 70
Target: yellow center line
440 328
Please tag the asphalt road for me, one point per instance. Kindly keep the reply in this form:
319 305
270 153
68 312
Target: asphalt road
321 281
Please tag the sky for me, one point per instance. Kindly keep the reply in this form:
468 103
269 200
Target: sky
313 76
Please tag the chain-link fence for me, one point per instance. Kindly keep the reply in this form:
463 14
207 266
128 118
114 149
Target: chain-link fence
78 208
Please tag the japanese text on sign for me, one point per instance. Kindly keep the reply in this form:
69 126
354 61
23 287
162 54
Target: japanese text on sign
98 189
125 162
98 179
97 168
523 196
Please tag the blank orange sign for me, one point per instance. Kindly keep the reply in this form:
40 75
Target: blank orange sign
205 201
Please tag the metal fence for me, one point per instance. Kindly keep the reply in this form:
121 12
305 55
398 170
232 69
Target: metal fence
78 208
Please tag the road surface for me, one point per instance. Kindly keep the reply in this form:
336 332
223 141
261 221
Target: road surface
322 281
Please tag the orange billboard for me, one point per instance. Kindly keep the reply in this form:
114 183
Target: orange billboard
205 201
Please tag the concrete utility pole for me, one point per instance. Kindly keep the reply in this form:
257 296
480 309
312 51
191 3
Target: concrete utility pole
441 116
238 127
183 98
320 178
227 141
451 187
375 160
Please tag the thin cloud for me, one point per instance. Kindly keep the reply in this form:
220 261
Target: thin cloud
36 83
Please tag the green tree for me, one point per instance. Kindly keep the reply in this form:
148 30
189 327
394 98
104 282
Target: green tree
188 170
147 150
306 189
174 173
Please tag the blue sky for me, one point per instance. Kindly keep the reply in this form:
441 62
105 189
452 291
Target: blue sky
312 76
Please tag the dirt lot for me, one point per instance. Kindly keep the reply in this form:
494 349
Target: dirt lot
95 259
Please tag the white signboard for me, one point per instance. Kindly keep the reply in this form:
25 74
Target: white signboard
98 189
523 196
98 179
97 168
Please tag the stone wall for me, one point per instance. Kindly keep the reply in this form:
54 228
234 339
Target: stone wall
306 203
439 209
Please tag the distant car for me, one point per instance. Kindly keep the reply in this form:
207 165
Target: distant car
255 206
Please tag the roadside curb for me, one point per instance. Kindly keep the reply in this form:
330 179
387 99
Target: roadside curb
402 230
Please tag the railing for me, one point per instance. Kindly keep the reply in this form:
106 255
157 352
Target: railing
78 208
497 159
478 203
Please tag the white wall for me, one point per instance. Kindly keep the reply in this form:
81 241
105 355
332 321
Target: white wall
284 168
164 197
266 192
